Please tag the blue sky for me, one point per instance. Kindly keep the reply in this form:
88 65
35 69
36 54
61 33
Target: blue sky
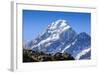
35 22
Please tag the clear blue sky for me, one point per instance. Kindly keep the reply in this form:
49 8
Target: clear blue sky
34 22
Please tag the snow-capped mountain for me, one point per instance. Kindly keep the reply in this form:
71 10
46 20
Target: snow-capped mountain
60 37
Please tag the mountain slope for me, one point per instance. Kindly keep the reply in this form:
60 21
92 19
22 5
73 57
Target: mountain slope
82 43
54 37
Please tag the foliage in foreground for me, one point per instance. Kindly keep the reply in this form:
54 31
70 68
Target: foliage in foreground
31 56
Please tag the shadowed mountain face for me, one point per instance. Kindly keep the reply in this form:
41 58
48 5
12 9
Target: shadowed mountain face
59 37
80 45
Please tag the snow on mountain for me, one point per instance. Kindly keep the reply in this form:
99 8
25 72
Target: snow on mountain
55 30
68 46
86 56
54 36
82 53
59 24
60 37
81 43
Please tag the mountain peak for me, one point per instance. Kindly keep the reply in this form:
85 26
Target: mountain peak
58 24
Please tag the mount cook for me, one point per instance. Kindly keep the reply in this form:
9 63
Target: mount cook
59 37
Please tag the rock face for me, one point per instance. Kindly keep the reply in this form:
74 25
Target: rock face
59 37
80 47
